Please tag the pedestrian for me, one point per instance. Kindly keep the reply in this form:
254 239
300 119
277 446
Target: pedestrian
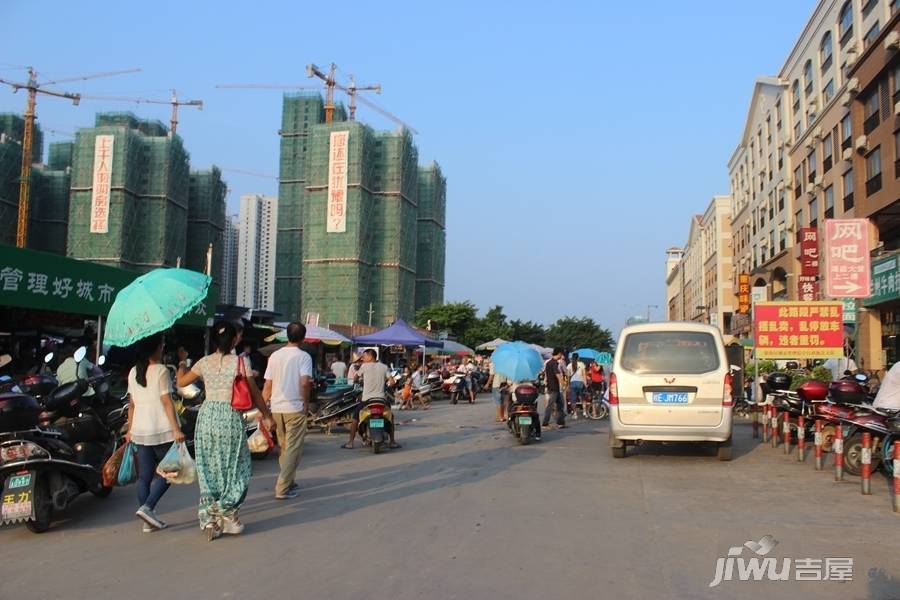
375 376
339 368
152 426
576 372
597 386
420 388
222 455
554 382
355 364
499 385
286 391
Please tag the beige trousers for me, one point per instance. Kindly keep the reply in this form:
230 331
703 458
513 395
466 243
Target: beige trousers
290 429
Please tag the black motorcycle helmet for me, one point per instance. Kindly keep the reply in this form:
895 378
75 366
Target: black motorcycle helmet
778 381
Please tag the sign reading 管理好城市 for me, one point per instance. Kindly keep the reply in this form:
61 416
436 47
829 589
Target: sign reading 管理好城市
799 329
44 281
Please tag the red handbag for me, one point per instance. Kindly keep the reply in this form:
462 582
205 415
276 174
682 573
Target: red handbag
240 389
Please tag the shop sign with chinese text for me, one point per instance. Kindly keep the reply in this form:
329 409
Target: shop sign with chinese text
102 183
885 280
849 310
337 182
799 329
847 258
44 281
808 288
809 251
744 293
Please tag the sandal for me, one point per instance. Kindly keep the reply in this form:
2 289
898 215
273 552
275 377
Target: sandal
347 446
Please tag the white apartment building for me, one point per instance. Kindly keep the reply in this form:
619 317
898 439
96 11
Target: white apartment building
230 245
258 228
718 266
674 284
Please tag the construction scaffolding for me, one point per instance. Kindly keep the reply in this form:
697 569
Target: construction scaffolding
10 167
432 236
12 126
148 206
60 155
206 221
49 210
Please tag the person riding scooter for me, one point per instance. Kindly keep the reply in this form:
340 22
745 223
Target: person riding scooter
374 377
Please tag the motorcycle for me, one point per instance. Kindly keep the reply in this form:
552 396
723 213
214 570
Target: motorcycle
376 423
335 408
457 387
523 420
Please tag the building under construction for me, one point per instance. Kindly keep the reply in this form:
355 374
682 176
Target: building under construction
368 273
206 221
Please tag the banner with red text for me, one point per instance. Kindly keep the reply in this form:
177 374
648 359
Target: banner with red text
799 329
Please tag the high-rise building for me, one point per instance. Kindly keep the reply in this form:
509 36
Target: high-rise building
206 221
431 245
231 237
256 251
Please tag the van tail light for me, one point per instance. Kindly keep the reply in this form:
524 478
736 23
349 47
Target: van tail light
613 389
727 398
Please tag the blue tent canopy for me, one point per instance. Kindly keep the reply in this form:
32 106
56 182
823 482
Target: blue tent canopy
398 334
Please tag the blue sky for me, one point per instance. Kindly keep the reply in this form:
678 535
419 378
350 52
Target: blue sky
577 137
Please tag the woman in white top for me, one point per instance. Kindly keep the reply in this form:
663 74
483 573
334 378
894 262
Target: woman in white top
152 425
577 378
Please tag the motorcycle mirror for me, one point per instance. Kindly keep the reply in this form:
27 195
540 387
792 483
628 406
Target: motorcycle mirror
101 361
80 354
5 359
48 358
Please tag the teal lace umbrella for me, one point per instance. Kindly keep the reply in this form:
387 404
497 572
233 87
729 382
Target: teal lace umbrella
152 303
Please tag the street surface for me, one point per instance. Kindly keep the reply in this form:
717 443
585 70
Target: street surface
462 511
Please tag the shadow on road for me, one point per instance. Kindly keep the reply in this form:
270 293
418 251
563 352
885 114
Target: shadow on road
743 444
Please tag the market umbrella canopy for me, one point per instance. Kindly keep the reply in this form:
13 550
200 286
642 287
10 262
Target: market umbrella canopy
517 361
544 352
588 353
152 303
314 333
398 334
452 349
491 345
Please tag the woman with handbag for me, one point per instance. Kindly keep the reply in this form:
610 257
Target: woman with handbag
223 458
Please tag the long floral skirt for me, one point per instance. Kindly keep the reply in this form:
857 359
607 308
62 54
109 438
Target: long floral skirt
223 461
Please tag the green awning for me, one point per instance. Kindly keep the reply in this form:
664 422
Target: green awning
45 281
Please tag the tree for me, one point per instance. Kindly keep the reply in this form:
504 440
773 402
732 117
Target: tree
571 333
493 325
527 331
454 317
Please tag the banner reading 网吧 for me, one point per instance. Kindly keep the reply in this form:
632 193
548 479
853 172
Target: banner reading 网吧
102 183
336 218
847 258
799 329
809 251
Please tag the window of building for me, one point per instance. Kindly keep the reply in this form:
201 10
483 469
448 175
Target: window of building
825 52
870 112
873 171
828 91
813 212
781 200
782 237
808 78
795 96
771 205
798 181
781 153
845 22
759 144
798 125
897 153
895 88
769 165
827 152
871 34
868 5
846 132
894 6
798 219
778 112
811 166
847 182
829 202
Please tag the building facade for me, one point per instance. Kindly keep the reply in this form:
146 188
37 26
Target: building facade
718 266
257 238
230 244
206 222
674 284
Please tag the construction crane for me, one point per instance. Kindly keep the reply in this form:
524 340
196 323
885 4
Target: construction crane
314 71
250 173
173 101
352 90
34 87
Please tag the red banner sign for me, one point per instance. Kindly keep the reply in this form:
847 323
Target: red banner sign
798 329
744 293
809 251
847 258
808 288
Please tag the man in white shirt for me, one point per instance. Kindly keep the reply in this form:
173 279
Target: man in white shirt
838 366
889 393
288 384
339 368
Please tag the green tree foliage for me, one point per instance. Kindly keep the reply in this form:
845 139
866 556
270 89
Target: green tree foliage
527 331
571 333
454 317
492 326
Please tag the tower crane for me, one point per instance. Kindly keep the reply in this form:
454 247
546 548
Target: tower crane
173 101
34 87
314 71
352 90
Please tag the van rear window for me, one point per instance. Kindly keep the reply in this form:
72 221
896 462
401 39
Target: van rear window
670 352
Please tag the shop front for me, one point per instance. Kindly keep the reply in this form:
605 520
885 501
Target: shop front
880 315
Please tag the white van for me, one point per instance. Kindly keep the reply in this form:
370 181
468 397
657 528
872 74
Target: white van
670 382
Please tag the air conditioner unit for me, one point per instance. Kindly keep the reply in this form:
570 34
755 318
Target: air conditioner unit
818 183
847 154
808 143
817 133
853 85
861 143
846 99
851 58
892 41
813 106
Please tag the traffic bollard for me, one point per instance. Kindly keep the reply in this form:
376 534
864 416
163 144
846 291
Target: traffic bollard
801 439
774 427
818 444
765 418
866 473
754 415
787 432
897 476
838 453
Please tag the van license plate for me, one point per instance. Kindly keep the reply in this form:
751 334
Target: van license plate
670 397
376 423
524 420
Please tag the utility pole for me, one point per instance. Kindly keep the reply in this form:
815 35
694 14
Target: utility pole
371 312
649 306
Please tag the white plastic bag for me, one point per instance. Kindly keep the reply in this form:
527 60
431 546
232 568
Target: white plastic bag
259 442
177 466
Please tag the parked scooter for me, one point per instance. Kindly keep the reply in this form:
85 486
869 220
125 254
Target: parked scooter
457 387
523 420
376 423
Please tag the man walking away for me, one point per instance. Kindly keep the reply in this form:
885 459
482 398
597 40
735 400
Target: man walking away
288 383
554 382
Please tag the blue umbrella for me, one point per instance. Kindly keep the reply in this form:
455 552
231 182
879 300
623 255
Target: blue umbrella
588 353
517 361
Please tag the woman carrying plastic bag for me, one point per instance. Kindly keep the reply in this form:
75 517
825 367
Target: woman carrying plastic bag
177 466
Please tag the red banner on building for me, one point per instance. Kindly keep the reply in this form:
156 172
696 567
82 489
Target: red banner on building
809 251
744 293
847 258
798 329
808 288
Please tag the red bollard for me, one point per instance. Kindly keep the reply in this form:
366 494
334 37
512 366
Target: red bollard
897 476
818 443
765 418
775 433
801 439
866 473
754 415
839 453
787 432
